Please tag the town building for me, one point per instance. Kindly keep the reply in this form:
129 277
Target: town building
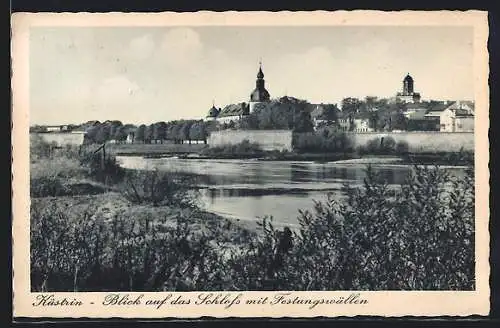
408 95
415 110
56 128
345 121
356 122
455 117
233 113
362 122
321 115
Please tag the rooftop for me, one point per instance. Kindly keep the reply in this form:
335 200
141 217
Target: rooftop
408 77
234 110
416 106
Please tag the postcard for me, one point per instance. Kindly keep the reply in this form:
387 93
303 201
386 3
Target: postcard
250 164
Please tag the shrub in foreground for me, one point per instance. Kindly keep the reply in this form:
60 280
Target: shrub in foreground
420 237
88 253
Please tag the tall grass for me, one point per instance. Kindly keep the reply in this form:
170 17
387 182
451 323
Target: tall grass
64 170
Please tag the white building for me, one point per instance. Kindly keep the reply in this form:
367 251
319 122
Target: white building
344 121
362 124
130 138
321 116
452 118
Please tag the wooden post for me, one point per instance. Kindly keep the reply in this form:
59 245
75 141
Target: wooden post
103 157
104 165
102 162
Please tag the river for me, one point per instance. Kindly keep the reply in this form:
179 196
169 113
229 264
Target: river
249 189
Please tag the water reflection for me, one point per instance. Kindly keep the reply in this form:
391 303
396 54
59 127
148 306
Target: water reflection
246 189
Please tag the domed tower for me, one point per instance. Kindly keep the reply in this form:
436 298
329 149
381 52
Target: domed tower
212 113
408 95
408 85
260 94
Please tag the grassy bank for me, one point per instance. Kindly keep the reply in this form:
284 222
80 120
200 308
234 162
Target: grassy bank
145 232
250 150
462 158
140 149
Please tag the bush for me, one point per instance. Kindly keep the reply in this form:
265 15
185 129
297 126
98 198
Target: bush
322 141
108 171
159 188
387 145
402 147
373 146
86 253
244 148
47 186
383 146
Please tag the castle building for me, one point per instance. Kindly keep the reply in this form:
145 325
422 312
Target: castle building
408 95
235 112
259 94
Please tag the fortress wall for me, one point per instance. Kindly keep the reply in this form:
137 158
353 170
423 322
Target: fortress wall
422 141
62 138
428 141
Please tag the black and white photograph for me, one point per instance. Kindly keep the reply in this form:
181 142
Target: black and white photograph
224 158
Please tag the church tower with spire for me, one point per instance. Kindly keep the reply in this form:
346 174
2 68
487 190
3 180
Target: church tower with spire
259 94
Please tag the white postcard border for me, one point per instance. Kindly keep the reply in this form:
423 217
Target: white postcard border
381 303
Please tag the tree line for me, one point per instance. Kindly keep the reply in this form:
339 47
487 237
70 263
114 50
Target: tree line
288 113
159 132
285 113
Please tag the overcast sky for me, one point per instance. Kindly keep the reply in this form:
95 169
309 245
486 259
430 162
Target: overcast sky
150 74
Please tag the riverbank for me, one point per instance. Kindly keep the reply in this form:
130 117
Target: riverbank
448 159
154 149
203 151
107 207
61 182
